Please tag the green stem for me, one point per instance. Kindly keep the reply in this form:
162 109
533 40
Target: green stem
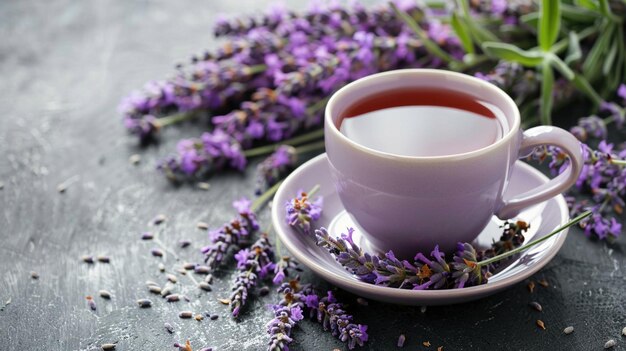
261 200
429 45
535 242
618 162
256 69
268 149
313 190
318 145
176 118
563 43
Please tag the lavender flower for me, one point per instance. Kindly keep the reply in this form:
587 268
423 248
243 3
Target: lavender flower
197 157
425 272
301 212
230 234
603 176
282 268
299 299
275 167
252 264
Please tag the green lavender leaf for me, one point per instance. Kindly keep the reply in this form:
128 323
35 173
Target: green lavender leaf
578 14
549 23
588 4
547 84
561 66
461 31
531 20
573 49
593 62
610 58
477 32
512 53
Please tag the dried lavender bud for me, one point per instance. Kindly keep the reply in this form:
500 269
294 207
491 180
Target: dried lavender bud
172 298
200 269
205 286
202 225
541 324
181 271
134 159
206 349
536 306
172 278
144 303
401 340
156 252
159 219
34 275
203 185
624 331
185 314
198 317
209 279
186 298
104 294
214 317
184 243
568 330
169 328
91 303
543 283
107 346
161 267
166 291
531 286
609 344
103 259
87 259
188 266
426 343
147 236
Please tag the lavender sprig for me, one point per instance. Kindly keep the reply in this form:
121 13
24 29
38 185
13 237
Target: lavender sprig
467 267
302 299
252 264
274 167
231 234
283 267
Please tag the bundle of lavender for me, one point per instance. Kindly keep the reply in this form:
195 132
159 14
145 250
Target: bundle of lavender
267 84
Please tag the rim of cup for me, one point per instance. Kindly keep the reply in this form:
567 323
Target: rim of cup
503 98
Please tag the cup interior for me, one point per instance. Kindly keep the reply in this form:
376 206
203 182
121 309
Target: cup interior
441 80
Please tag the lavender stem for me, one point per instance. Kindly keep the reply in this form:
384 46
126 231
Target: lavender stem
264 150
319 145
535 242
256 205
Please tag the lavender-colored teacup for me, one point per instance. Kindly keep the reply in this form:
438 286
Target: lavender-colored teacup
410 203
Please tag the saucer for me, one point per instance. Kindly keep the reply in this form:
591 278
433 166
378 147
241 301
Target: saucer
543 219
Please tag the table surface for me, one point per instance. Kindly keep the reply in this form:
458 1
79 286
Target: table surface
65 65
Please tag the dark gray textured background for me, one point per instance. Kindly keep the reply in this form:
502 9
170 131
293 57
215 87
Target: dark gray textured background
64 65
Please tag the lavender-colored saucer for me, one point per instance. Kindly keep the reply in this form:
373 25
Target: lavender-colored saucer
543 218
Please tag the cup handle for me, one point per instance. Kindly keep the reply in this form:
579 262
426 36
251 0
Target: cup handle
543 135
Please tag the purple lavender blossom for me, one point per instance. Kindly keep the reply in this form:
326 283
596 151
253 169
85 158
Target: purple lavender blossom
301 212
298 300
621 91
283 267
253 264
197 157
275 167
425 272
231 234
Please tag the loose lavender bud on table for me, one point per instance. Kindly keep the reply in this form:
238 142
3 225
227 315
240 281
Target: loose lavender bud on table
144 303
205 286
104 294
34 275
87 259
172 298
568 330
169 328
202 225
154 289
156 252
172 278
184 243
91 303
107 346
610 344
103 259
159 219
147 236
401 340
185 314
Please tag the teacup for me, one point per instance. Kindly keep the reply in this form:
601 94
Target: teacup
408 203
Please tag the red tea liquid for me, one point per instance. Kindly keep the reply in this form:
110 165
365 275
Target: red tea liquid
423 122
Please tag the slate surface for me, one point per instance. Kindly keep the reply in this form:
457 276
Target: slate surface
64 65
